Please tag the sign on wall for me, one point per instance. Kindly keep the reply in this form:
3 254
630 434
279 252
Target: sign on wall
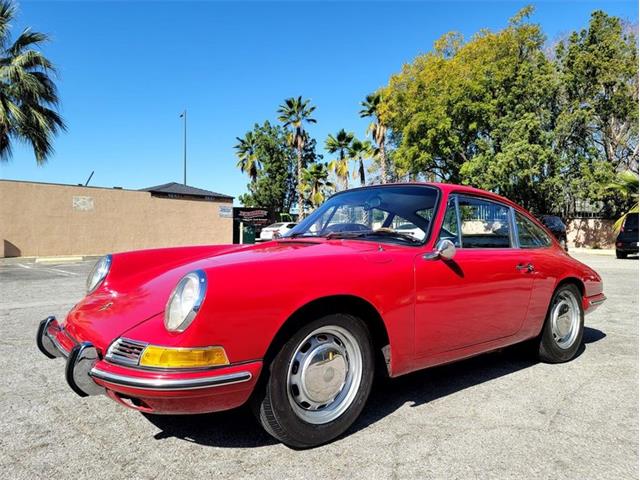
225 211
84 204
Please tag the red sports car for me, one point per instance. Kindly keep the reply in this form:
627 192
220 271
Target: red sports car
395 277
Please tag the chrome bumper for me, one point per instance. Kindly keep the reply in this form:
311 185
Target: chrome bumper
170 384
80 360
597 301
48 344
81 368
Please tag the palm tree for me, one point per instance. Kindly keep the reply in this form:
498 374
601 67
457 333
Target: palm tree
626 184
358 152
340 144
371 108
28 96
294 113
246 152
315 181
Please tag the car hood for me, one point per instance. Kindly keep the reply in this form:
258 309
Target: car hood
139 283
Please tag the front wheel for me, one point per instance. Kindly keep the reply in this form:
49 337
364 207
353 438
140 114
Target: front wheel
562 333
318 382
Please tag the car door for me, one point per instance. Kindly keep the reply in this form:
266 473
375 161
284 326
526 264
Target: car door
538 247
480 295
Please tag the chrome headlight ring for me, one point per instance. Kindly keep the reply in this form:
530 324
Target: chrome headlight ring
98 273
185 301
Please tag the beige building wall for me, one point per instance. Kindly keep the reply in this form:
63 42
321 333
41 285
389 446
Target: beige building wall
47 219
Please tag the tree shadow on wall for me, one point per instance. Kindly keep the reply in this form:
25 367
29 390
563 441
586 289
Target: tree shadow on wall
593 233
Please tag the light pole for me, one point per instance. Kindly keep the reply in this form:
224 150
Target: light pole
184 115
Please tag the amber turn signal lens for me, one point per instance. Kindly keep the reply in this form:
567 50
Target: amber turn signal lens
166 357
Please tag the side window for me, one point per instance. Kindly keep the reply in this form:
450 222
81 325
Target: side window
449 230
484 224
529 234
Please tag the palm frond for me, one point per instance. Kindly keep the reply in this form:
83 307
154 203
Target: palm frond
25 40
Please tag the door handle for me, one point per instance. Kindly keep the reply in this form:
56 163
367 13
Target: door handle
528 267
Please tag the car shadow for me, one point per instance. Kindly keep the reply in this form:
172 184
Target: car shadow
238 428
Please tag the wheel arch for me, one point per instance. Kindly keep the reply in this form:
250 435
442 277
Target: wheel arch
348 304
573 281
570 280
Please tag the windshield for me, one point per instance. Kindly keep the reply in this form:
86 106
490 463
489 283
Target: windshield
399 214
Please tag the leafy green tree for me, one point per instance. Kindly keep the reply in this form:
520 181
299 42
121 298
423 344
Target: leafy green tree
378 131
358 152
500 113
28 94
596 133
247 158
316 183
599 68
294 113
339 144
274 184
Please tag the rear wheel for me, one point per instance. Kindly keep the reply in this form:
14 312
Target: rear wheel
620 254
318 382
562 333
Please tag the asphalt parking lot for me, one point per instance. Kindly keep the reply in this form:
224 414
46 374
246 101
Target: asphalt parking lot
496 416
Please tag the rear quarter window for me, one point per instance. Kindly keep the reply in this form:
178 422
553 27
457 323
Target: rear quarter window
529 234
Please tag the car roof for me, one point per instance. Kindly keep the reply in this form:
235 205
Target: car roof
445 188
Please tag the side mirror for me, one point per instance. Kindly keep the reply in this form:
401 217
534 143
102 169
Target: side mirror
445 249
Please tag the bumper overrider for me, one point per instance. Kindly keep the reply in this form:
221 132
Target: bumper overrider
88 372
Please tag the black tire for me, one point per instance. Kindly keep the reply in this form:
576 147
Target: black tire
620 255
273 407
549 350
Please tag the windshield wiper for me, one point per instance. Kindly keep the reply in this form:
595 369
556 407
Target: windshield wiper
373 233
300 234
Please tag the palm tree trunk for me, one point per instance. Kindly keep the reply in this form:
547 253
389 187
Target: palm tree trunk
383 164
362 178
300 195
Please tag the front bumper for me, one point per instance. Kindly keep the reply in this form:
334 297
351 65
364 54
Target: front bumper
194 391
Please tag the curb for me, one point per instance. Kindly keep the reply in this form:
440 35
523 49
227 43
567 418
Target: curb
593 251
68 259
48 260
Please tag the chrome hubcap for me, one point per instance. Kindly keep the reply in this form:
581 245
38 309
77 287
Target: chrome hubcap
565 320
324 374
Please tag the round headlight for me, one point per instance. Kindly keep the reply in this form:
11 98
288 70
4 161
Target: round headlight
185 301
98 273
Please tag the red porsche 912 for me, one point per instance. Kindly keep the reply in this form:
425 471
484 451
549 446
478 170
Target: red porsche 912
399 277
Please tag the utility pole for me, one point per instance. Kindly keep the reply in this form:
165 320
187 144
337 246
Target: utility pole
184 115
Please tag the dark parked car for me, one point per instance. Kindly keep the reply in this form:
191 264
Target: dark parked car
627 241
557 227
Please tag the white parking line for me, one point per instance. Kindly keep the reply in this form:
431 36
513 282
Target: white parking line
49 269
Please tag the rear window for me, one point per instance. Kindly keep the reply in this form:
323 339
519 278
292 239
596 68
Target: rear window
529 234
631 221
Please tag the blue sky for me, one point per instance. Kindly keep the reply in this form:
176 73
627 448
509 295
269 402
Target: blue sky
127 70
